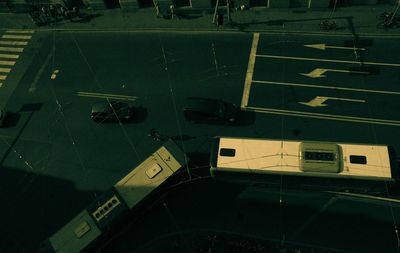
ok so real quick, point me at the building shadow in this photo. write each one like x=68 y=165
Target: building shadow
x=34 y=207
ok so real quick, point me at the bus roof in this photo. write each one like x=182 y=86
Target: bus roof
x=288 y=157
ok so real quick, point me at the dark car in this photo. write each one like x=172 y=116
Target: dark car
x=207 y=110
x=112 y=111
x=2 y=117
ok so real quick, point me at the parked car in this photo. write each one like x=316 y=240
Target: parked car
x=198 y=110
x=112 y=111
x=3 y=115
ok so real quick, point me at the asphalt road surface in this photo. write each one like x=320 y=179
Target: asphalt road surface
x=55 y=159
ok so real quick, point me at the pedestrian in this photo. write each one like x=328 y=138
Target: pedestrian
x=220 y=20
x=171 y=8
x=76 y=11
x=157 y=9
x=154 y=134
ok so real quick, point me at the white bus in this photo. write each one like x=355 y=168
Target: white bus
x=237 y=157
x=110 y=208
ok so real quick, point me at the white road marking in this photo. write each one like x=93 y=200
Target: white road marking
x=328 y=60
x=54 y=74
x=22 y=37
x=20 y=31
x=324 y=46
x=3 y=77
x=325 y=116
x=12 y=49
x=1 y=85
x=250 y=70
x=328 y=87
x=106 y=95
x=9 y=56
x=319 y=72
x=32 y=88
x=8 y=63
x=14 y=43
x=5 y=70
x=318 y=101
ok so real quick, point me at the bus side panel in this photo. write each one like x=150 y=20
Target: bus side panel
x=214 y=155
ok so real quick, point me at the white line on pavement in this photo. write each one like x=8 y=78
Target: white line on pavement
x=20 y=31
x=3 y=77
x=327 y=60
x=22 y=37
x=14 y=43
x=8 y=63
x=5 y=70
x=12 y=49
x=325 y=116
x=105 y=95
x=328 y=87
x=250 y=69
x=9 y=56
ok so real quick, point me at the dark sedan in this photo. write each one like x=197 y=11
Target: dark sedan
x=112 y=111
x=206 y=110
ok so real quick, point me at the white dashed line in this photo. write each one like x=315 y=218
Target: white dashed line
x=12 y=49
x=327 y=60
x=7 y=63
x=14 y=43
x=2 y=77
x=22 y=37
x=250 y=69
x=5 y=70
x=20 y=31
x=9 y=56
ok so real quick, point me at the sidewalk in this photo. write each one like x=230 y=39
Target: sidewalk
x=359 y=20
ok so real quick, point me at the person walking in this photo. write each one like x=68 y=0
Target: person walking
x=220 y=20
x=154 y=134
x=157 y=9
x=171 y=8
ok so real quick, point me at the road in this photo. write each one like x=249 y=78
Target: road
x=56 y=159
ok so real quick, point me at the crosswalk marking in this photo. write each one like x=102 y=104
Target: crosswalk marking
x=12 y=49
x=9 y=56
x=14 y=43
x=20 y=31
x=5 y=41
x=24 y=37
x=8 y=63
x=5 y=70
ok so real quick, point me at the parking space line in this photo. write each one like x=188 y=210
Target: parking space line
x=20 y=31
x=9 y=56
x=328 y=87
x=23 y=37
x=327 y=60
x=5 y=70
x=8 y=63
x=325 y=116
x=250 y=70
x=12 y=49
x=14 y=43
x=106 y=95
x=3 y=77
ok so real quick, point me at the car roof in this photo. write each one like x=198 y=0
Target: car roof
x=202 y=104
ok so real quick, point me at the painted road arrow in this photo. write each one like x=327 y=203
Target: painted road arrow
x=317 y=73
x=324 y=47
x=318 y=101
